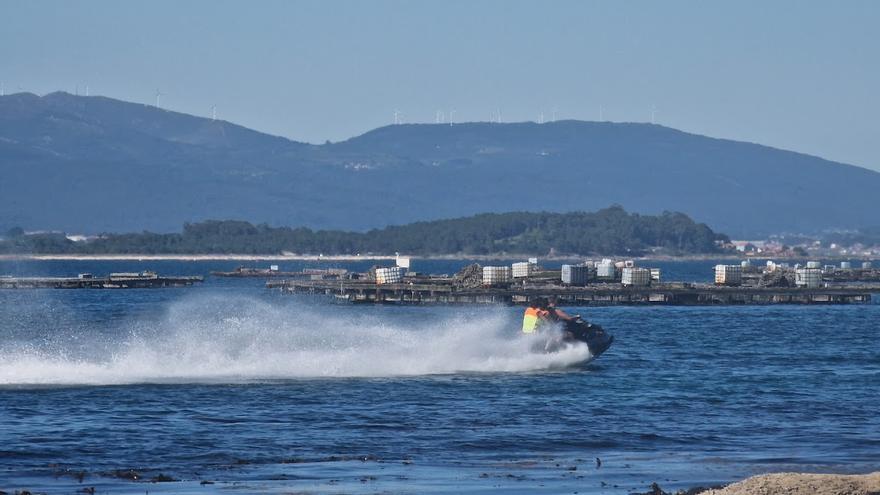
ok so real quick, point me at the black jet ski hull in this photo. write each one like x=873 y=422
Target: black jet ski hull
x=596 y=338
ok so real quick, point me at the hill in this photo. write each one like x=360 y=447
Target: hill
x=611 y=231
x=93 y=164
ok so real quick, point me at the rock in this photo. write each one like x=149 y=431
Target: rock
x=803 y=484
x=654 y=490
x=126 y=474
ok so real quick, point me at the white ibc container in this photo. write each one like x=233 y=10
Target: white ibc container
x=655 y=275
x=635 y=276
x=606 y=269
x=808 y=277
x=522 y=269
x=845 y=265
x=576 y=274
x=728 y=274
x=391 y=275
x=813 y=264
x=493 y=275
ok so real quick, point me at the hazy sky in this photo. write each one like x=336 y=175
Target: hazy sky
x=792 y=74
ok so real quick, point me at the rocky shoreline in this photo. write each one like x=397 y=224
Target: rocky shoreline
x=789 y=484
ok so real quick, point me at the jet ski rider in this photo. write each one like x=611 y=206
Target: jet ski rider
x=558 y=314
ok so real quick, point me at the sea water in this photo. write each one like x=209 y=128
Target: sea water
x=230 y=387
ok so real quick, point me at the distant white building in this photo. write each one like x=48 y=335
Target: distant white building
x=749 y=246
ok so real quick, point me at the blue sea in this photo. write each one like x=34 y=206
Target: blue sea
x=228 y=387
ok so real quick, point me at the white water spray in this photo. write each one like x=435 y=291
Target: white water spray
x=221 y=339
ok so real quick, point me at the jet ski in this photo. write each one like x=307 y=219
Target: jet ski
x=579 y=330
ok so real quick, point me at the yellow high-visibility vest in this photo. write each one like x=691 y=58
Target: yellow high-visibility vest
x=532 y=319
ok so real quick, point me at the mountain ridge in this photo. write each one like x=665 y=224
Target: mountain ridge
x=160 y=168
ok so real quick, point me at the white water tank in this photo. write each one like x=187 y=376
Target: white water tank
x=493 y=275
x=578 y=275
x=808 y=277
x=633 y=276
x=390 y=275
x=845 y=265
x=655 y=275
x=606 y=270
x=522 y=269
x=728 y=275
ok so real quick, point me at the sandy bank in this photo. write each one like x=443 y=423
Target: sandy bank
x=804 y=484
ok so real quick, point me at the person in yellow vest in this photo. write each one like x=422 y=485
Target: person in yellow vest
x=535 y=316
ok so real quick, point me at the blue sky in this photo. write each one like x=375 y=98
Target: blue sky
x=792 y=74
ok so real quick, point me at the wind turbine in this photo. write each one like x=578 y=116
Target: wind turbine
x=555 y=109
x=451 y=114
x=541 y=118
x=396 y=117
x=653 y=114
x=1 y=89
x=601 y=114
x=87 y=90
x=158 y=94
x=213 y=112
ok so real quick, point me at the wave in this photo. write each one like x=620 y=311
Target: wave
x=224 y=339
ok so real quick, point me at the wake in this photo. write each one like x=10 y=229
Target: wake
x=225 y=340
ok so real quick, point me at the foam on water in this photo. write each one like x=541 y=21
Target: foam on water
x=222 y=339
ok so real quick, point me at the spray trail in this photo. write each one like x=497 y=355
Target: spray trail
x=222 y=339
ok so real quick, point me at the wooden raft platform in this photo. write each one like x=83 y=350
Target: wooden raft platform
x=594 y=295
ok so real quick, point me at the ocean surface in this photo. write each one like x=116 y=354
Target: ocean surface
x=229 y=387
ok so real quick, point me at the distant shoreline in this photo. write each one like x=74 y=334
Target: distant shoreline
x=379 y=257
x=187 y=257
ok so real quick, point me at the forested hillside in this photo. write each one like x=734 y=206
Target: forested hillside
x=608 y=231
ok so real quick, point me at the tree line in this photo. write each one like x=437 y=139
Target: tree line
x=610 y=231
